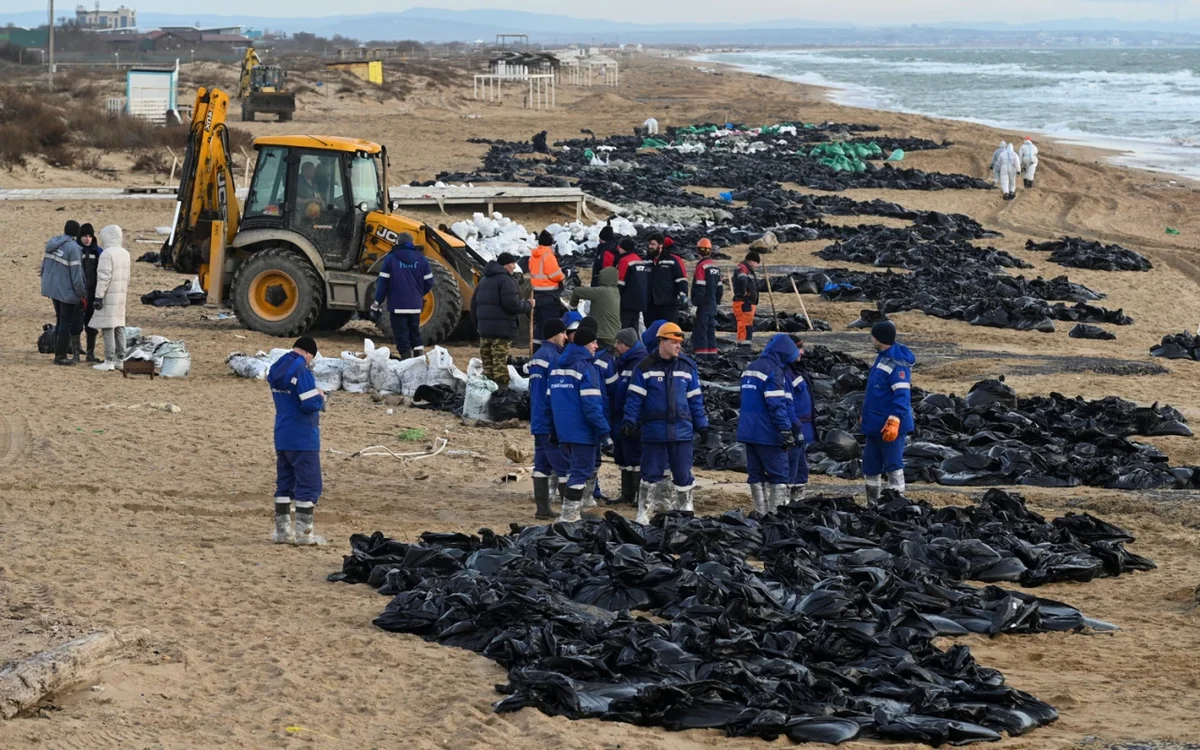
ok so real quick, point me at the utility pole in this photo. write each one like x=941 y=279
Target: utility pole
x=51 y=68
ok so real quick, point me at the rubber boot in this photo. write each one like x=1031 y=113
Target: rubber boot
x=758 y=496
x=683 y=500
x=635 y=483
x=283 y=521
x=798 y=491
x=874 y=485
x=304 y=526
x=541 y=498
x=624 y=496
x=572 y=503
x=76 y=348
x=562 y=491
x=91 y=346
x=778 y=497
x=62 y=346
x=597 y=493
x=645 y=503
x=895 y=480
x=589 y=499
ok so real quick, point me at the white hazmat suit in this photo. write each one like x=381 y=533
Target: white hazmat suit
x=1010 y=166
x=1029 y=161
x=996 y=161
x=650 y=126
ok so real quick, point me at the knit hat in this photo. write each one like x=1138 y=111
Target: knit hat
x=754 y=256
x=71 y=228
x=306 y=343
x=590 y=322
x=606 y=233
x=552 y=327
x=87 y=230
x=546 y=239
x=505 y=258
x=884 y=332
x=627 y=244
x=628 y=337
x=584 y=336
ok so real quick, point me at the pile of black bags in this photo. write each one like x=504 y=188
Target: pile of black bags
x=1178 y=346
x=832 y=638
x=1080 y=253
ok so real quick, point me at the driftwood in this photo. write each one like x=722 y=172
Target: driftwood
x=30 y=681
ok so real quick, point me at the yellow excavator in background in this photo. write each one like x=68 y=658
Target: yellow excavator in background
x=304 y=251
x=263 y=89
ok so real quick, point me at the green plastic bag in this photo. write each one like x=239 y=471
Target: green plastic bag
x=653 y=143
x=589 y=154
x=1173 y=230
x=897 y=155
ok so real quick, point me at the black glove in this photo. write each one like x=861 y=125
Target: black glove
x=629 y=431
x=606 y=442
x=98 y=303
x=788 y=439
x=703 y=433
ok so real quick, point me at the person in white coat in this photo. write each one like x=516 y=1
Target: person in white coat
x=996 y=161
x=1029 y=161
x=1010 y=167
x=112 y=286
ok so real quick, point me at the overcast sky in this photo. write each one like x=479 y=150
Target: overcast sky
x=865 y=12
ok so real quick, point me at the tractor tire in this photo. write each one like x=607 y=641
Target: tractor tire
x=443 y=308
x=332 y=320
x=277 y=291
x=247 y=114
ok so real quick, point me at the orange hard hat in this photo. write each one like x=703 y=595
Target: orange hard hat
x=670 y=331
x=704 y=242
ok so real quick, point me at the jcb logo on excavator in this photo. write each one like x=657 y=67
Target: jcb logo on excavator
x=387 y=235
x=222 y=195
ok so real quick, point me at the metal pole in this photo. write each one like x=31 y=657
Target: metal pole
x=51 y=68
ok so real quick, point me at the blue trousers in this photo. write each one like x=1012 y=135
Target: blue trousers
x=704 y=331
x=548 y=459
x=298 y=475
x=581 y=459
x=406 y=330
x=675 y=455
x=627 y=453
x=766 y=463
x=797 y=465
x=881 y=457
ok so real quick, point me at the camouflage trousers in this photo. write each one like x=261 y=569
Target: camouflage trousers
x=494 y=353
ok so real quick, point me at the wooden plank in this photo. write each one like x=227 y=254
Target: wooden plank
x=27 y=683
x=216 y=263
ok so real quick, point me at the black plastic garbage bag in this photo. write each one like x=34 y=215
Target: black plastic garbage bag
x=509 y=404
x=1085 y=331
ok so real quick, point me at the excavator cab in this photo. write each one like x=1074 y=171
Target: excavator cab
x=267 y=78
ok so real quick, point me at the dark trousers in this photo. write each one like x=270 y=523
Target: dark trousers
x=676 y=456
x=406 y=330
x=547 y=307
x=627 y=454
x=797 y=465
x=68 y=323
x=548 y=459
x=582 y=459
x=669 y=313
x=704 y=331
x=298 y=475
x=766 y=463
x=629 y=319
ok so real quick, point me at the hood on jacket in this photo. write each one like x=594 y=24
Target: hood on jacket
x=782 y=349
x=608 y=276
x=111 y=236
x=56 y=243
x=540 y=250
x=403 y=246
x=277 y=375
x=573 y=353
x=650 y=337
x=637 y=353
x=900 y=353
x=495 y=269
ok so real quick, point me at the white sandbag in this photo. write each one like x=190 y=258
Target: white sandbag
x=442 y=370
x=384 y=378
x=175 y=361
x=412 y=372
x=245 y=366
x=516 y=381
x=327 y=371
x=356 y=372
x=479 y=393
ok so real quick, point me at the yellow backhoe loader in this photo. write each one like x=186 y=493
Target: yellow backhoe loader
x=263 y=89
x=305 y=250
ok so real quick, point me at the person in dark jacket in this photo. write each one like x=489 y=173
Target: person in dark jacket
x=495 y=309
x=64 y=283
x=548 y=460
x=606 y=253
x=707 y=292
x=404 y=279
x=668 y=281
x=606 y=367
x=627 y=452
x=745 y=297
x=887 y=411
x=576 y=404
x=633 y=279
x=90 y=257
x=803 y=408
x=765 y=423
x=664 y=405
x=298 y=406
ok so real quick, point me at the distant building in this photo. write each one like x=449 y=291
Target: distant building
x=178 y=38
x=97 y=20
x=24 y=37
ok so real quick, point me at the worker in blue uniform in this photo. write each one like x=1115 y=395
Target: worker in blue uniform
x=803 y=409
x=765 y=423
x=887 y=416
x=576 y=403
x=548 y=461
x=627 y=452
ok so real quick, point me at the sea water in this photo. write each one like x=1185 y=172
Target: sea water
x=1142 y=102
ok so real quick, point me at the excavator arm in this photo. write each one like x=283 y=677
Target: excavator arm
x=206 y=189
x=249 y=62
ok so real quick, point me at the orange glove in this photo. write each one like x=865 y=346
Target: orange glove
x=891 y=429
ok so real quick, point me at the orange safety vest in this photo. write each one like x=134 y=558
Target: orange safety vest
x=544 y=272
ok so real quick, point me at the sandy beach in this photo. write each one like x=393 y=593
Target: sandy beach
x=117 y=515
